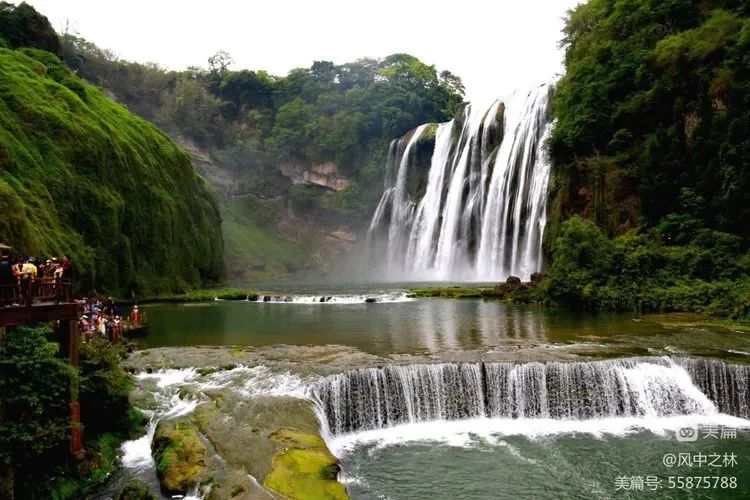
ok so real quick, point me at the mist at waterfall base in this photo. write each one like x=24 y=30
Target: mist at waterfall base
x=478 y=213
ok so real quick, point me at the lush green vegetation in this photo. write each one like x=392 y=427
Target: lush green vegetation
x=641 y=270
x=252 y=123
x=35 y=389
x=80 y=175
x=252 y=120
x=652 y=143
x=654 y=108
x=23 y=26
x=251 y=251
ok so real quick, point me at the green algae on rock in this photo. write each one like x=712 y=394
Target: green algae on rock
x=180 y=456
x=305 y=469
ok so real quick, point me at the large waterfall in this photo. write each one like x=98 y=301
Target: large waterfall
x=477 y=212
x=633 y=387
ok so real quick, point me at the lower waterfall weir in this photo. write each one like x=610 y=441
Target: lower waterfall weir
x=376 y=398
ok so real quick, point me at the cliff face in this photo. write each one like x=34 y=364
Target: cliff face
x=266 y=235
x=81 y=175
x=598 y=189
x=324 y=174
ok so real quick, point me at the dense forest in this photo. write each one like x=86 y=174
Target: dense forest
x=251 y=120
x=35 y=384
x=652 y=144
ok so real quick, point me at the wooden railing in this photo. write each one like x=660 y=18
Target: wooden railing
x=40 y=290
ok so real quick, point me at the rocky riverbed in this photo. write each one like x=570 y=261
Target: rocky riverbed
x=242 y=421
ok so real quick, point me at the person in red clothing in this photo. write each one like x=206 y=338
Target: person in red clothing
x=117 y=330
x=135 y=317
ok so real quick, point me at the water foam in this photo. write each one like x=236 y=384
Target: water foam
x=169 y=376
x=373 y=298
x=136 y=454
x=477 y=432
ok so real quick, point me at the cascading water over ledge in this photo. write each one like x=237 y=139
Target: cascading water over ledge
x=634 y=387
x=479 y=212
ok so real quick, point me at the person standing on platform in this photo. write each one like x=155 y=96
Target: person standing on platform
x=135 y=317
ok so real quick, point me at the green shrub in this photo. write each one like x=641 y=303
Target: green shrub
x=35 y=390
x=640 y=271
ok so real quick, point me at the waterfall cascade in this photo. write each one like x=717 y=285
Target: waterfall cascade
x=633 y=387
x=479 y=212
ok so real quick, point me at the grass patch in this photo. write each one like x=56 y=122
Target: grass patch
x=203 y=295
x=80 y=480
x=682 y=321
x=454 y=292
x=252 y=253
x=514 y=292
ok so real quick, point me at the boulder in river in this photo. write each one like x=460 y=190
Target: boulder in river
x=537 y=278
x=513 y=281
x=305 y=468
x=180 y=456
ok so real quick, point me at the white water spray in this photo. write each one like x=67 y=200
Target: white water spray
x=482 y=214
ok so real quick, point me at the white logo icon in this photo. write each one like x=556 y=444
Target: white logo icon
x=687 y=434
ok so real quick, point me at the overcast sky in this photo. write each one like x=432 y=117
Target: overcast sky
x=495 y=46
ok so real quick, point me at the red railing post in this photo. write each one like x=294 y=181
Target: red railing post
x=71 y=335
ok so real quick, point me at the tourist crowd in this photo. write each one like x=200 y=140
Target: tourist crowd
x=27 y=278
x=21 y=277
x=104 y=319
x=21 y=268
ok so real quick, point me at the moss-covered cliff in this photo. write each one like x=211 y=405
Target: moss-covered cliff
x=81 y=175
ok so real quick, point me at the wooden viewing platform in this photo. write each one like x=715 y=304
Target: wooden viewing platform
x=47 y=300
x=37 y=301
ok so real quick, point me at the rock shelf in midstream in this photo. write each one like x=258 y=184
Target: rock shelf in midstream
x=246 y=435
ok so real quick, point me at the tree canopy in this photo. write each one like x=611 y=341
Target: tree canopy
x=23 y=26
x=652 y=144
x=661 y=89
x=325 y=112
